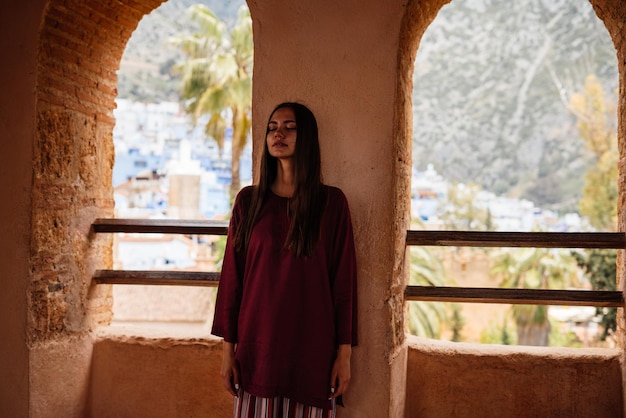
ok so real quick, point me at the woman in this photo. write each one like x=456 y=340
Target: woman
x=286 y=304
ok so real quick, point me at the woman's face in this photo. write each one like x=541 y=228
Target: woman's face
x=281 y=133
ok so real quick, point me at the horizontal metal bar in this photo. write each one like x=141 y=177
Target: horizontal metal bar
x=163 y=278
x=516 y=296
x=163 y=226
x=616 y=240
x=423 y=293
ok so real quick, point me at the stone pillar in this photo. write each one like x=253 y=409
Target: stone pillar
x=613 y=14
x=326 y=55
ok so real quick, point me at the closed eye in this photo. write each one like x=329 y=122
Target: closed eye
x=290 y=127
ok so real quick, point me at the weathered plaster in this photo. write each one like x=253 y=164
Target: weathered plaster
x=473 y=380
x=19 y=25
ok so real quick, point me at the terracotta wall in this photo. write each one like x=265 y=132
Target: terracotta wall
x=472 y=380
x=18 y=46
x=174 y=378
x=143 y=377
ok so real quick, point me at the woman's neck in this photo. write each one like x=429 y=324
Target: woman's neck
x=285 y=183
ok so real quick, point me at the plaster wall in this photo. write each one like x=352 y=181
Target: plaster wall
x=340 y=59
x=470 y=380
x=157 y=377
x=19 y=35
x=164 y=377
x=60 y=378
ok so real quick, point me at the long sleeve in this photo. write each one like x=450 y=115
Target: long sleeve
x=343 y=272
x=230 y=290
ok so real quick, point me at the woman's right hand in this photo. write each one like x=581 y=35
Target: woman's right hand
x=230 y=371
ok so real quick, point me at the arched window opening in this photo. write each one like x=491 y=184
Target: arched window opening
x=176 y=152
x=514 y=112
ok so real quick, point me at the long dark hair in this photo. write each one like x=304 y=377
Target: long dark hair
x=309 y=197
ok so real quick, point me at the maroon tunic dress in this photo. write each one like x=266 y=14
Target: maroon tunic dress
x=286 y=314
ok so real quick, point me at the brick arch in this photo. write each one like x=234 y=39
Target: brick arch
x=613 y=14
x=81 y=45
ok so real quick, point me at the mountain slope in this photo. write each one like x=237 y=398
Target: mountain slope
x=145 y=71
x=491 y=83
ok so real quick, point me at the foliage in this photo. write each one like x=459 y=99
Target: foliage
x=561 y=338
x=600 y=265
x=217 y=79
x=219 y=248
x=145 y=73
x=596 y=117
x=597 y=128
x=533 y=268
x=425 y=318
x=456 y=322
x=506 y=334
x=498 y=334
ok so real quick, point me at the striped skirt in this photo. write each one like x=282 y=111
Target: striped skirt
x=249 y=406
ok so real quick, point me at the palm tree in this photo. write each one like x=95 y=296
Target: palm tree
x=534 y=268
x=217 y=79
x=426 y=270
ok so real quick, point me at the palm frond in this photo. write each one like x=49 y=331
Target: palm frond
x=216 y=128
x=212 y=28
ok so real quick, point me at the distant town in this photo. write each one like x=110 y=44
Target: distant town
x=157 y=141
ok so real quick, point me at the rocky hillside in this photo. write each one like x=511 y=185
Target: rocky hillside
x=145 y=71
x=491 y=84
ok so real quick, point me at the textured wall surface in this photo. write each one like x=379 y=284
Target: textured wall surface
x=19 y=28
x=469 y=380
x=141 y=377
x=340 y=59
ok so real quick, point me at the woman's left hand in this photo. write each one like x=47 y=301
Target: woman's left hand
x=340 y=376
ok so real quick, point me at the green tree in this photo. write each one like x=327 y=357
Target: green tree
x=596 y=122
x=425 y=318
x=600 y=266
x=217 y=79
x=533 y=268
x=597 y=128
x=457 y=322
x=497 y=334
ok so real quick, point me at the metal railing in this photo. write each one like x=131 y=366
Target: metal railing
x=426 y=238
